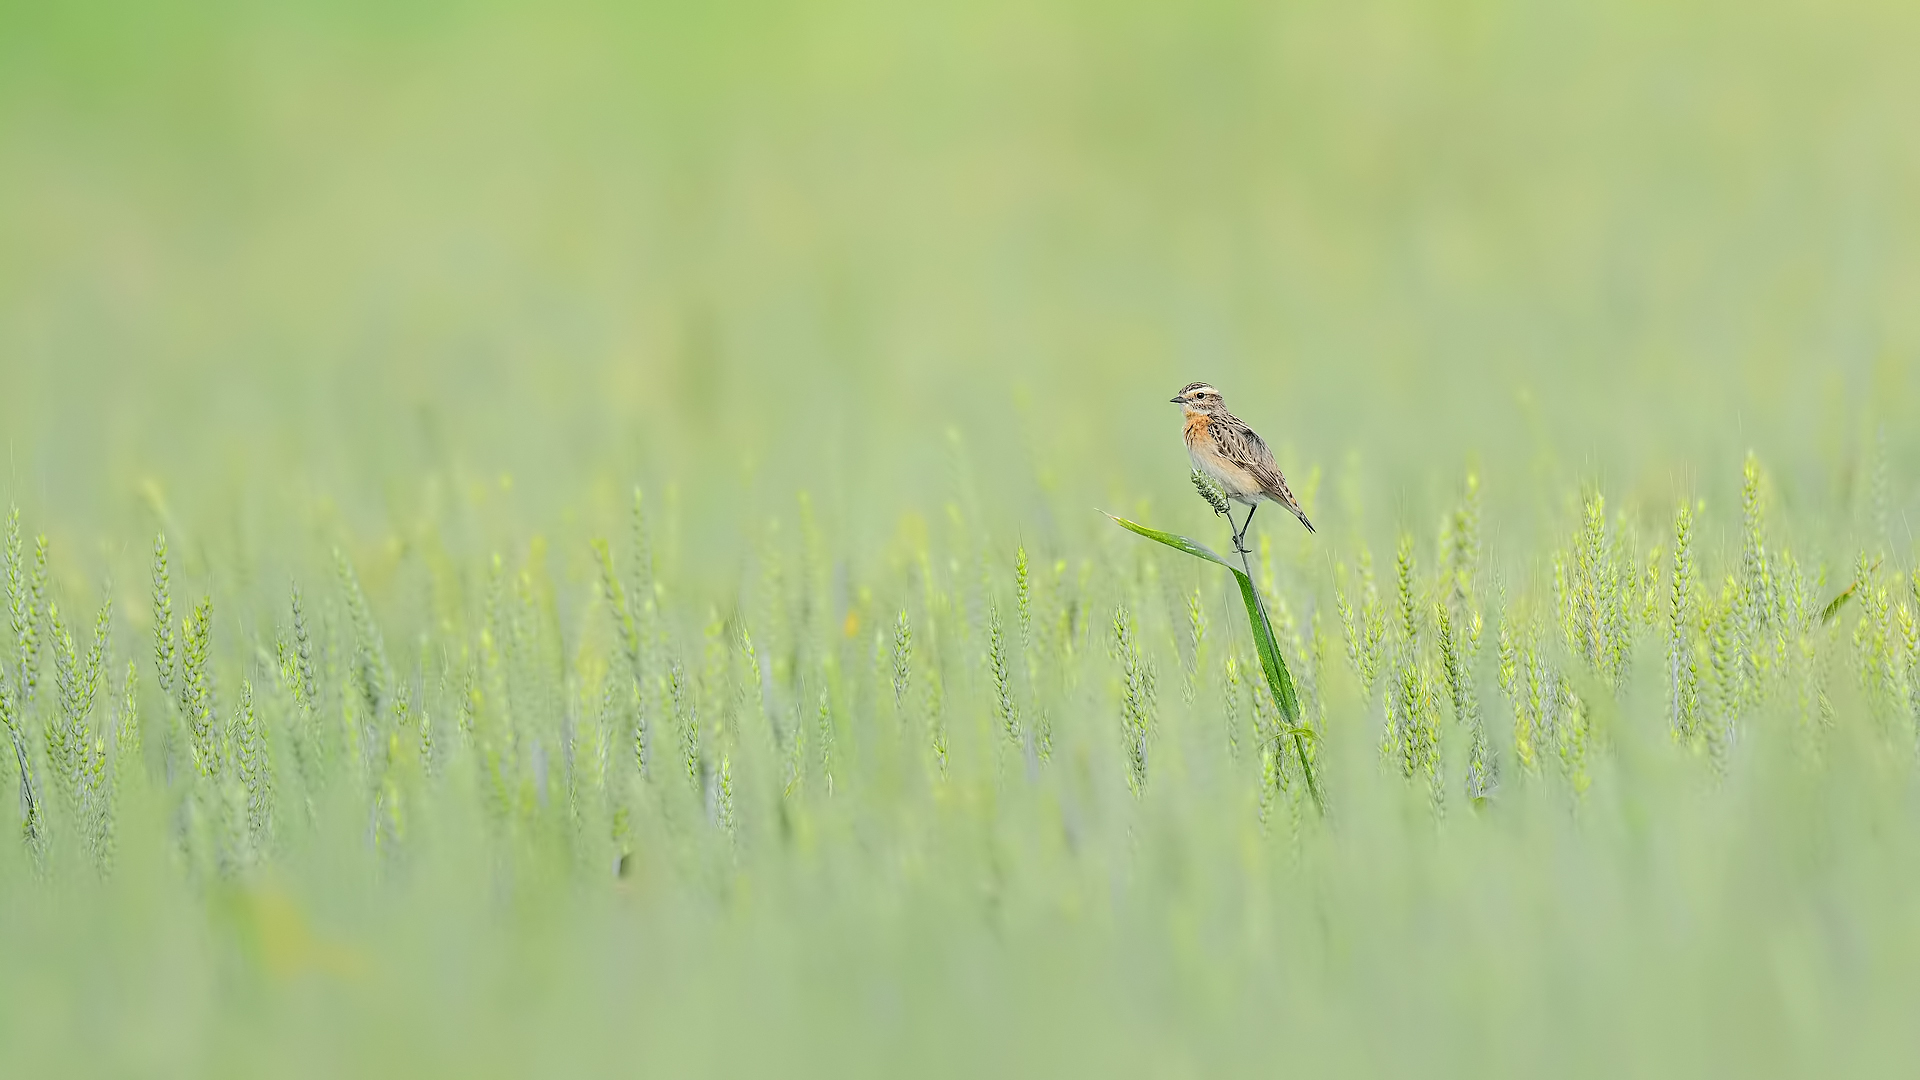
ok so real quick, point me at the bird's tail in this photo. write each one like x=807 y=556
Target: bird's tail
x=1287 y=498
x=1280 y=494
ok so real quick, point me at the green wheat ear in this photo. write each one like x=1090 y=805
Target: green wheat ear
x=1210 y=490
x=1002 y=676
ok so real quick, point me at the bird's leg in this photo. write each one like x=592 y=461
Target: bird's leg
x=1239 y=534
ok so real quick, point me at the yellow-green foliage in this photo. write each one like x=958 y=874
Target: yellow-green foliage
x=587 y=513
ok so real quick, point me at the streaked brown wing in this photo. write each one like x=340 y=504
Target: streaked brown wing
x=1243 y=446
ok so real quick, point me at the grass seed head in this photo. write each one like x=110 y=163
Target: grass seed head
x=1211 y=491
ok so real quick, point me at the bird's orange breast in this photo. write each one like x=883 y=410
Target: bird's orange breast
x=1197 y=428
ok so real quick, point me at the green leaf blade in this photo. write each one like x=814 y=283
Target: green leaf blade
x=1279 y=680
x=1272 y=666
x=1172 y=540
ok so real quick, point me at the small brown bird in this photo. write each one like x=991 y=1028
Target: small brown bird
x=1225 y=448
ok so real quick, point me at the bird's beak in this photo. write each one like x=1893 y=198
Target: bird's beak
x=1178 y=400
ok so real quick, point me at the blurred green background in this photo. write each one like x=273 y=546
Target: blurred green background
x=750 y=247
x=276 y=277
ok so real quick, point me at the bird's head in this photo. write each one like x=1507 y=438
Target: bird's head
x=1200 y=397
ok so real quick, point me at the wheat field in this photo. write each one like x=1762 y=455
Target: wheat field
x=569 y=540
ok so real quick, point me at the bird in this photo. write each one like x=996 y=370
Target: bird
x=1233 y=454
